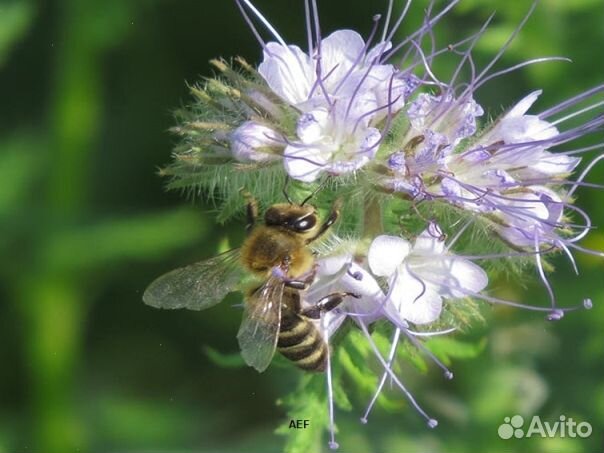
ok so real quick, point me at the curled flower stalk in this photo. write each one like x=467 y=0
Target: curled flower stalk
x=434 y=198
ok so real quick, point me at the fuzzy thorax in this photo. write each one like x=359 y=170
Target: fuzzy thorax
x=268 y=247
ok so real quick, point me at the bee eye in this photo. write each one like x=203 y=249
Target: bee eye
x=305 y=223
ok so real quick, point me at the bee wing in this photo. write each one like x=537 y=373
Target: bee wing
x=197 y=286
x=259 y=329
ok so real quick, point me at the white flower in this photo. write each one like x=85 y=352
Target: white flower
x=343 y=69
x=532 y=160
x=517 y=127
x=531 y=217
x=342 y=91
x=438 y=125
x=452 y=119
x=340 y=273
x=421 y=275
x=253 y=142
x=330 y=142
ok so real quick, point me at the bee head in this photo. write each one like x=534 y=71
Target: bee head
x=297 y=218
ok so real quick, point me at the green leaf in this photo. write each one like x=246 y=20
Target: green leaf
x=19 y=164
x=112 y=241
x=410 y=353
x=233 y=360
x=356 y=358
x=446 y=348
x=15 y=20
x=307 y=403
x=340 y=397
x=132 y=424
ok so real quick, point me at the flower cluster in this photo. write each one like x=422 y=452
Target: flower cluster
x=420 y=169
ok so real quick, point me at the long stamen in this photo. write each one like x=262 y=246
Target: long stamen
x=356 y=91
x=265 y=22
x=518 y=66
x=544 y=279
x=427 y=65
x=420 y=280
x=388 y=108
x=315 y=13
x=332 y=426
x=431 y=334
x=468 y=52
x=418 y=344
x=412 y=36
x=398 y=22
x=509 y=303
x=250 y=24
x=570 y=256
x=429 y=30
x=459 y=233
x=450 y=47
x=308 y=23
x=432 y=423
x=584 y=149
x=505 y=46
x=376 y=394
x=578 y=112
x=584 y=173
x=586 y=250
x=494 y=256
x=572 y=101
x=387 y=21
x=360 y=56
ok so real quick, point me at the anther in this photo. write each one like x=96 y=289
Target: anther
x=555 y=315
x=356 y=275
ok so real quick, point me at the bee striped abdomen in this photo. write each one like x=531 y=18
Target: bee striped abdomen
x=301 y=342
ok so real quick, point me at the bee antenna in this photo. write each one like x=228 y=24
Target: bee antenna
x=289 y=200
x=321 y=186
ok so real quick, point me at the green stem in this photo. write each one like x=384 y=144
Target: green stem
x=53 y=311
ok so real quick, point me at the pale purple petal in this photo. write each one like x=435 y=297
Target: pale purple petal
x=358 y=281
x=288 y=71
x=412 y=299
x=386 y=253
x=457 y=277
x=430 y=242
x=304 y=163
x=525 y=129
x=555 y=164
x=311 y=126
x=341 y=48
x=331 y=265
x=252 y=142
x=524 y=105
x=375 y=53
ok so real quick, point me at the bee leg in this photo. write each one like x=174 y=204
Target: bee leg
x=251 y=210
x=300 y=284
x=326 y=304
x=331 y=219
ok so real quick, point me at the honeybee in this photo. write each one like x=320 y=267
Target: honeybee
x=277 y=253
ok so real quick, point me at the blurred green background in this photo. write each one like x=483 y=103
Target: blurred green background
x=87 y=90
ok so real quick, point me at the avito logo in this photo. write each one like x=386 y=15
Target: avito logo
x=564 y=427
